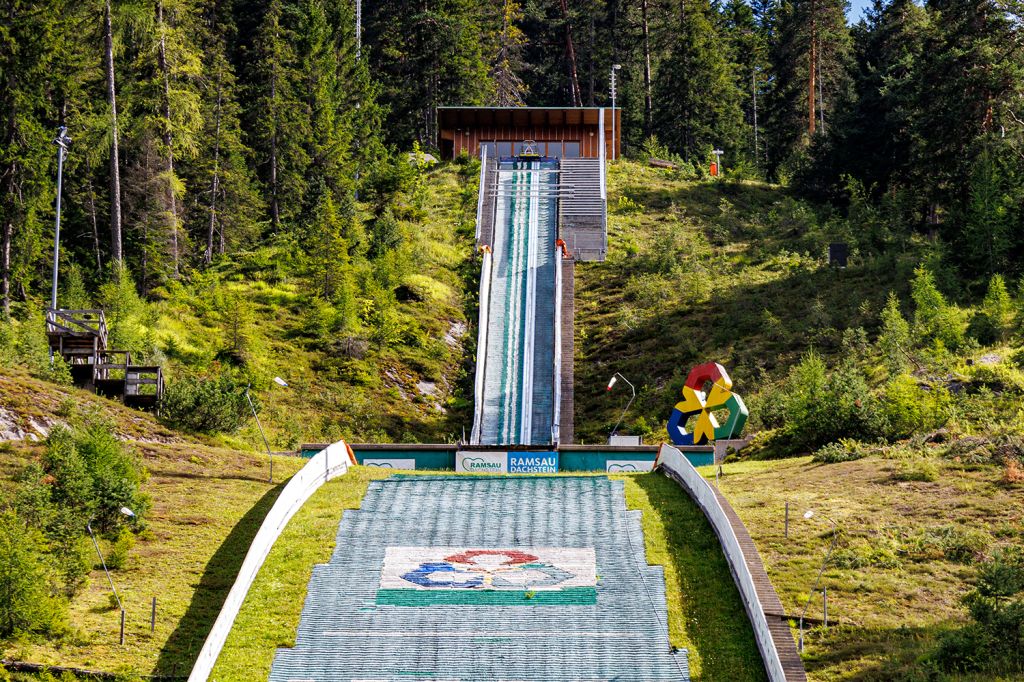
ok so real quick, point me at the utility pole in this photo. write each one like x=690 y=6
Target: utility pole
x=615 y=67
x=62 y=141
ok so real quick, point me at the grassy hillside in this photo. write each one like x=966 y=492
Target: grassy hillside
x=906 y=554
x=697 y=271
x=207 y=503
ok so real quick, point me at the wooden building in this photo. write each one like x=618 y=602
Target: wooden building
x=560 y=132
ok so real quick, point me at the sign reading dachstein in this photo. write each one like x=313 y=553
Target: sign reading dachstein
x=518 y=462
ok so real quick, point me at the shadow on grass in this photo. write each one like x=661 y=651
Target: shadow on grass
x=182 y=647
x=712 y=611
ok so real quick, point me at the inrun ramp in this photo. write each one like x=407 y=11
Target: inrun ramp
x=496 y=578
x=518 y=352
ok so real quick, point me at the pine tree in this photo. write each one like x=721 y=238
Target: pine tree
x=697 y=103
x=507 y=42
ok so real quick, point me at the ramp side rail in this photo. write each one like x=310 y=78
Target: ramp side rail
x=330 y=463
x=557 y=370
x=481 y=344
x=679 y=469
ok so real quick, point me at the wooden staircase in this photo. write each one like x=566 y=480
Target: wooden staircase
x=80 y=337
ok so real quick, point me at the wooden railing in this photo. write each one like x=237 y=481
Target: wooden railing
x=77 y=323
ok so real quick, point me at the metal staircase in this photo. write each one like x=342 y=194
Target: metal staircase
x=583 y=212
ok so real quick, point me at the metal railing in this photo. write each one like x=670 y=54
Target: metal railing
x=480 y=194
x=557 y=375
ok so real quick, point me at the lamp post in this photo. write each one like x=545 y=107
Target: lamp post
x=835 y=530
x=611 y=383
x=270 y=455
x=88 y=525
x=615 y=67
x=62 y=141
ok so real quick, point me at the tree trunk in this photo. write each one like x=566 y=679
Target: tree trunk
x=116 y=250
x=812 y=67
x=275 y=211
x=92 y=216
x=570 y=55
x=215 y=184
x=648 y=102
x=168 y=138
x=5 y=265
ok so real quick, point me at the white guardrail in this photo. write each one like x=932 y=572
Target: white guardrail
x=704 y=495
x=324 y=466
x=556 y=395
x=481 y=343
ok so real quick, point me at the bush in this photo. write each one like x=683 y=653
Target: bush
x=26 y=604
x=934 y=318
x=206 y=405
x=992 y=643
x=920 y=469
x=820 y=407
x=841 y=451
x=894 y=340
x=117 y=557
x=949 y=542
x=908 y=408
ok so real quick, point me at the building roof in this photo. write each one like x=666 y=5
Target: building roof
x=468 y=117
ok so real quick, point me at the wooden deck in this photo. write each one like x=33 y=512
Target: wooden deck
x=80 y=337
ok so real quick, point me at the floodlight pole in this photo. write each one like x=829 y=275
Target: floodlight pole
x=270 y=455
x=718 y=161
x=632 y=388
x=62 y=141
x=120 y=606
x=615 y=67
x=835 y=532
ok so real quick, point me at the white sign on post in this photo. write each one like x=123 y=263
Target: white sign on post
x=481 y=462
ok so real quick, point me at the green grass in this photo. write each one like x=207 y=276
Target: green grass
x=705 y=612
x=906 y=552
x=207 y=503
x=726 y=271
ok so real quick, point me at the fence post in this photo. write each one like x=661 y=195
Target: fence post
x=152 y=617
x=786 y=532
x=122 y=626
x=824 y=604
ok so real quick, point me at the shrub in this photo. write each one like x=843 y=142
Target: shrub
x=953 y=543
x=821 y=407
x=917 y=469
x=934 y=318
x=894 y=340
x=997 y=377
x=908 y=408
x=26 y=604
x=841 y=451
x=205 y=404
x=992 y=642
x=117 y=557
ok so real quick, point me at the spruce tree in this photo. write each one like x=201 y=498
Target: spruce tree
x=697 y=101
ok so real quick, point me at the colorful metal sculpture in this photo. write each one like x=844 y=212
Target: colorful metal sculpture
x=697 y=403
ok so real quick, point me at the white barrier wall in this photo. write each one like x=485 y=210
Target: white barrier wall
x=704 y=495
x=329 y=463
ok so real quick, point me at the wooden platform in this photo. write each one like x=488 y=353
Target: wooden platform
x=80 y=338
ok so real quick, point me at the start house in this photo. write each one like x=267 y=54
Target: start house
x=558 y=132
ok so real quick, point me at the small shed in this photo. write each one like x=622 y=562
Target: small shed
x=560 y=132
